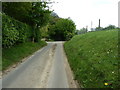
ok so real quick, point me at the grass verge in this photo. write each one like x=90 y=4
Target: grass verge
x=93 y=57
x=14 y=54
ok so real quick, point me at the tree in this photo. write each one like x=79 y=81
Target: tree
x=98 y=28
x=110 y=27
x=40 y=17
x=76 y=32
x=63 y=29
x=82 y=31
x=44 y=32
x=18 y=10
x=53 y=18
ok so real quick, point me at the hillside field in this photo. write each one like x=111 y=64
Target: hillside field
x=93 y=57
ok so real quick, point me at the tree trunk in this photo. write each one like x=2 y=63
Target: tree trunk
x=33 y=39
x=34 y=34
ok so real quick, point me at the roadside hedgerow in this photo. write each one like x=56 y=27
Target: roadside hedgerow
x=14 y=31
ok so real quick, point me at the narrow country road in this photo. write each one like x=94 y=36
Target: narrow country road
x=58 y=76
x=46 y=68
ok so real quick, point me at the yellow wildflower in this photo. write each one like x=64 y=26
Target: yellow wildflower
x=106 y=84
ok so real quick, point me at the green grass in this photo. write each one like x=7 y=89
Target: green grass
x=93 y=57
x=15 y=54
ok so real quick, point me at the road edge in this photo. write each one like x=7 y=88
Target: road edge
x=70 y=76
x=15 y=65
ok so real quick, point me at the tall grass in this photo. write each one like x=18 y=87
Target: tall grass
x=93 y=58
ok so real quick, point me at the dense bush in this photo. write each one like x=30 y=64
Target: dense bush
x=14 y=31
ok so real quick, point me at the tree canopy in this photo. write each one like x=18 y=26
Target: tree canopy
x=18 y=10
x=28 y=12
x=63 y=29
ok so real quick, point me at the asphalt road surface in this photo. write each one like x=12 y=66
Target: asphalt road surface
x=58 y=77
x=44 y=69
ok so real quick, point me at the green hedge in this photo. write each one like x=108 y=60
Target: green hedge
x=14 y=31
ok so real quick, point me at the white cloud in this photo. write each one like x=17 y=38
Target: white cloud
x=82 y=12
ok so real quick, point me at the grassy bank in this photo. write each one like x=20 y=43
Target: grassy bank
x=93 y=57
x=18 y=52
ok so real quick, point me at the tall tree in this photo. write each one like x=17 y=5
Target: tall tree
x=40 y=16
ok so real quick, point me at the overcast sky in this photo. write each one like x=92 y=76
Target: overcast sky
x=82 y=12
